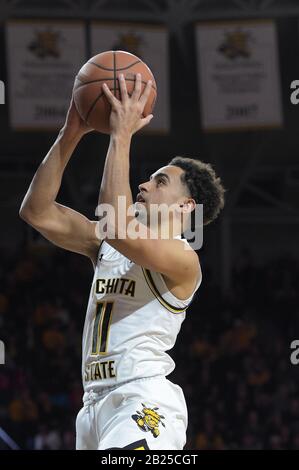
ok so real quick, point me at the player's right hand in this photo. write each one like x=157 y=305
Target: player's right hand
x=127 y=113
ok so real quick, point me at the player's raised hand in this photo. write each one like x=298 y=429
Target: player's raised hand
x=127 y=114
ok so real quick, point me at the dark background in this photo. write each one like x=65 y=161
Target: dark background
x=233 y=353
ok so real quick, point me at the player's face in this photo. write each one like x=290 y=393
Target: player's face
x=163 y=187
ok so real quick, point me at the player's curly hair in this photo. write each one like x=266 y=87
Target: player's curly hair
x=204 y=186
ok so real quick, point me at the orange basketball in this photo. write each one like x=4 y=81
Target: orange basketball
x=89 y=98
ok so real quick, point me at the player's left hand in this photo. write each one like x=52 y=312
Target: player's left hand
x=74 y=124
x=126 y=114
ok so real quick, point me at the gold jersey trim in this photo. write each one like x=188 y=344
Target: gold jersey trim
x=150 y=282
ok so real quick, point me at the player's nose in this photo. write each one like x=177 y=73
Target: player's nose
x=143 y=187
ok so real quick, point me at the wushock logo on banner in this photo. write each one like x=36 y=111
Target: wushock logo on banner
x=2 y=92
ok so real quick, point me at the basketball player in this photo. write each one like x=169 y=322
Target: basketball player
x=141 y=287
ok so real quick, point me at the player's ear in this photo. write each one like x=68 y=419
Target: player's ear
x=188 y=205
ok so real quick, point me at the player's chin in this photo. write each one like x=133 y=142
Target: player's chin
x=140 y=206
x=141 y=212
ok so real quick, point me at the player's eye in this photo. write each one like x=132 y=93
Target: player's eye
x=160 y=181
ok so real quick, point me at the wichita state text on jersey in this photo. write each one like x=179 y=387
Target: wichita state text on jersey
x=131 y=321
x=115 y=286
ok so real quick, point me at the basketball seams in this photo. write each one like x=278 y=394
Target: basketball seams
x=109 y=69
x=106 y=80
x=93 y=105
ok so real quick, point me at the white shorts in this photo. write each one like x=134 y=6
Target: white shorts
x=147 y=413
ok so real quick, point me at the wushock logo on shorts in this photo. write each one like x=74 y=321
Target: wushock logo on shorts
x=149 y=420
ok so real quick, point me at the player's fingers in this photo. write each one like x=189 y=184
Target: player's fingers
x=110 y=97
x=145 y=121
x=123 y=87
x=137 y=88
x=146 y=93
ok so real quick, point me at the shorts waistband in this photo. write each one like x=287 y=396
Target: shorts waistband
x=94 y=395
x=91 y=396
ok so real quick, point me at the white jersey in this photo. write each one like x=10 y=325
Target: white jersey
x=132 y=319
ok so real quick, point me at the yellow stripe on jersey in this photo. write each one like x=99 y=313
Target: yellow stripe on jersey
x=153 y=288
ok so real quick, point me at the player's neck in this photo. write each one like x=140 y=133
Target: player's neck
x=167 y=231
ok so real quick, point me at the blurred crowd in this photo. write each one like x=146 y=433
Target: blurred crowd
x=232 y=355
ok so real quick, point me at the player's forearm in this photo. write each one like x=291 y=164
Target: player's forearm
x=116 y=176
x=46 y=182
x=116 y=182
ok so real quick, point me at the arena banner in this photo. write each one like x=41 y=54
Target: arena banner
x=43 y=58
x=149 y=43
x=239 y=77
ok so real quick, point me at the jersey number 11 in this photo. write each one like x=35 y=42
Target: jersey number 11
x=101 y=328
